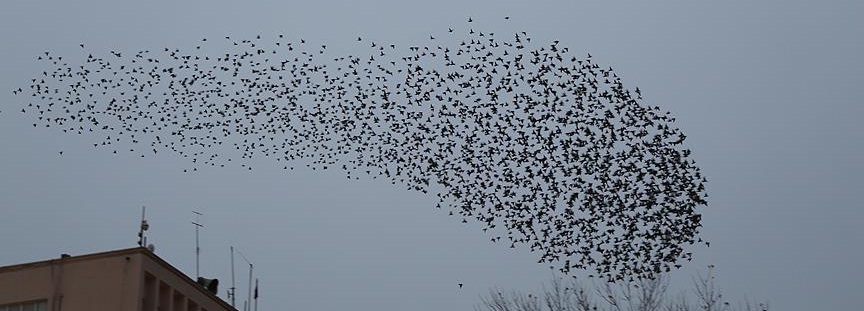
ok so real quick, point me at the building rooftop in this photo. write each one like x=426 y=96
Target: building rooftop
x=125 y=279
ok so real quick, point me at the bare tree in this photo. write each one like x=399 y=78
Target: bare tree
x=639 y=295
x=567 y=297
x=707 y=292
x=514 y=301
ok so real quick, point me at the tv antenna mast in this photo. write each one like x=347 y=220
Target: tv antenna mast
x=248 y=304
x=198 y=225
x=142 y=240
x=232 y=292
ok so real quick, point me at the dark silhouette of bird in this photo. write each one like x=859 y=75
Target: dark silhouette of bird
x=543 y=149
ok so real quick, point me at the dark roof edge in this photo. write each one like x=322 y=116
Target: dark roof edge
x=183 y=276
x=37 y=264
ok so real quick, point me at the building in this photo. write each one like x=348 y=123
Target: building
x=132 y=279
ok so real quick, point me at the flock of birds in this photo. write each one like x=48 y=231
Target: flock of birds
x=545 y=149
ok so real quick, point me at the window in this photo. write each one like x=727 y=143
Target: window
x=41 y=305
x=150 y=291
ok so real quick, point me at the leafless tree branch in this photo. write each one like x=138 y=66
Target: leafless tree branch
x=638 y=295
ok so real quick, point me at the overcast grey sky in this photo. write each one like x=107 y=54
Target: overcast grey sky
x=767 y=92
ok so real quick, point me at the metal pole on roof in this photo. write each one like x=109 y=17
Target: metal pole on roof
x=142 y=240
x=248 y=305
x=198 y=225
x=233 y=289
x=250 y=287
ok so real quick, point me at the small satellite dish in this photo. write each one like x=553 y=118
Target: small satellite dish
x=151 y=248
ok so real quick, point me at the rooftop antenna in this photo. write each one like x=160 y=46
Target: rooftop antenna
x=248 y=304
x=198 y=225
x=142 y=240
x=232 y=292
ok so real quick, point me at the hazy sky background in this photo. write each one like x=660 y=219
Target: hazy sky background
x=768 y=93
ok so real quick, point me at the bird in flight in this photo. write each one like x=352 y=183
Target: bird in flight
x=543 y=149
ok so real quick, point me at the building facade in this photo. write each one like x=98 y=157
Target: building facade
x=132 y=279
